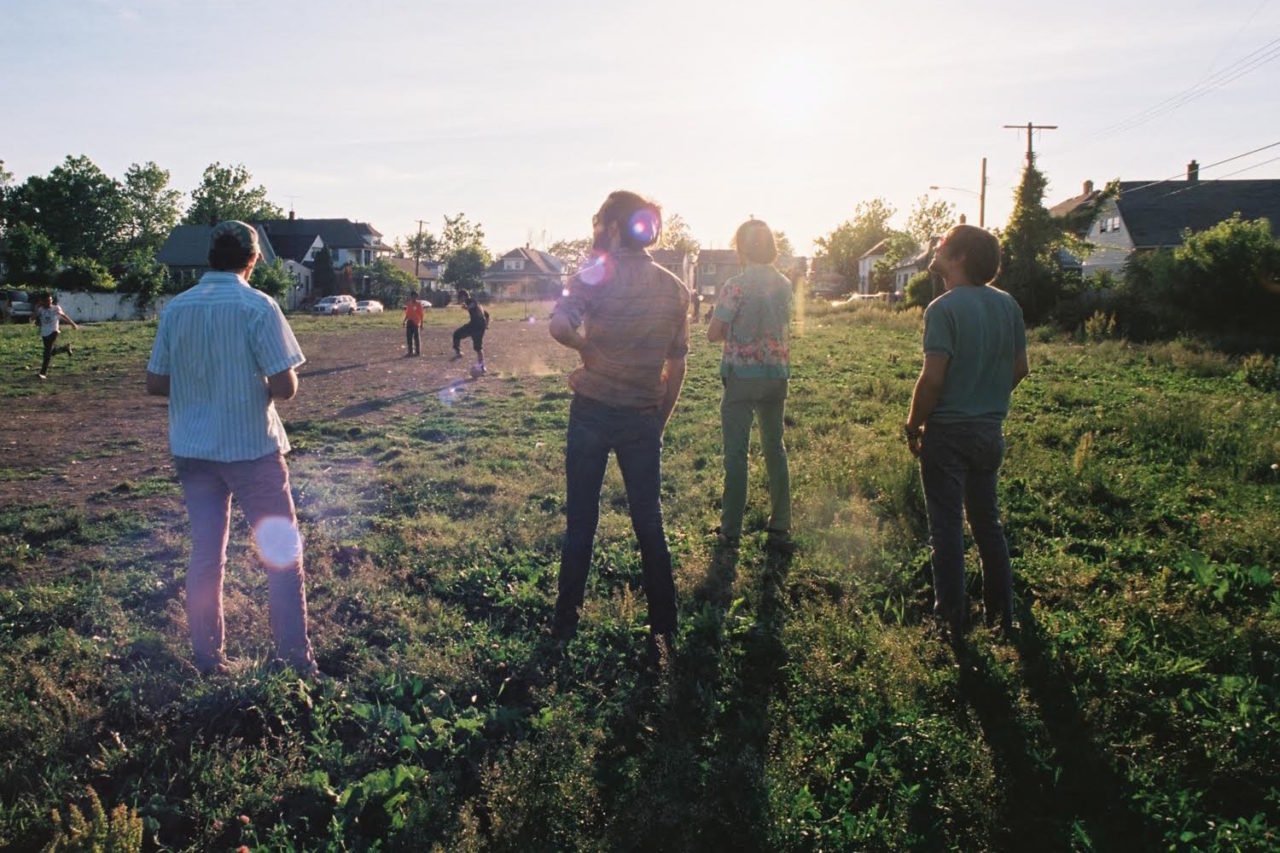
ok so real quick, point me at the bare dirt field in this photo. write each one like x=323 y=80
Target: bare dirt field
x=101 y=430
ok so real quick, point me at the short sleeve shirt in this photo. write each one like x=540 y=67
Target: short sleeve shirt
x=637 y=317
x=49 y=319
x=218 y=342
x=756 y=306
x=413 y=312
x=980 y=330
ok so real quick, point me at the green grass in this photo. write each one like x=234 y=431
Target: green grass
x=808 y=708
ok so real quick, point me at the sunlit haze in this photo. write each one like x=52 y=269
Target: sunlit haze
x=525 y=115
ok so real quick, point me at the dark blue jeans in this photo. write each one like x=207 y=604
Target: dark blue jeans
x=959 y=465
x=635 y=436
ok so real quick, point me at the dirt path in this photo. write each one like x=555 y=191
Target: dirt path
x=101 y=431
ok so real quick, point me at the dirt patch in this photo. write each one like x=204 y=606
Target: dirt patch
x=101 y=435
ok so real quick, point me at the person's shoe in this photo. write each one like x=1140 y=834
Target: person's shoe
x=42 y=376
x=725 y=542
x=456 y=355
x=70 y=350
x=217 y=665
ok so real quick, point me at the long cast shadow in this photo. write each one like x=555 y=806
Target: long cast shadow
x=1077 y=785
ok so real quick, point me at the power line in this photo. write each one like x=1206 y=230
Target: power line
x=1210 y=166
x=1246 y=64
x=1223 y=177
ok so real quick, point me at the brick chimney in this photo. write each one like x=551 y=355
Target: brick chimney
x=290 y=215
x=1193 y=171
x=1088 y=187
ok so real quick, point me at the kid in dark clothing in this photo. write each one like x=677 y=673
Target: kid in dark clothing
x=474 y=328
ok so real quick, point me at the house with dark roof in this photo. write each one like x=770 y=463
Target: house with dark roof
x=348 y=242
x=907 y=268
x=1146 y=216
x=867 y=263
x=298 y=252
x=525 y=273
x=675 y=261
x=713 y=269
x=186 y=252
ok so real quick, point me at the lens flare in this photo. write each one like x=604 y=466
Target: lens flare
x=450 y=393
x=278 y=542
x=645 y=225
x=598 y=268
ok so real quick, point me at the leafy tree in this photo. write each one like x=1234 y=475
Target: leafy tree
x=152 y=207
x=572 y=252
x=143 y=276
x=839 y=251
x=460 y=233
x=422 y=246
x=385 y=281
x=30 y=256
x=323 y=278
x=1027 y=269
x=272 y=279
x=785 y=250
x=676 y=235
x=6 y=178
x=930 y=218
x=84 y=274
x=77 y=207
x=919 y=291
x=224 y=193
x=464 y=268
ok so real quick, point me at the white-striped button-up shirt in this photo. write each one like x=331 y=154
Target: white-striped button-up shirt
x=217 y=343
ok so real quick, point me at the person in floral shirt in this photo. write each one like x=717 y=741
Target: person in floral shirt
x=752 y=317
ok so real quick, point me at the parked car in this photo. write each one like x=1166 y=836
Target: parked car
x=343 y=304
x=16 y=306
x=369 y=306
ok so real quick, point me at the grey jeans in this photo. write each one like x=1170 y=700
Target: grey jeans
x=743 y=401
x=261 y=487
x=959 y=466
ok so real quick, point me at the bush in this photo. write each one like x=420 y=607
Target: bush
x=82 y=274
x=919 y=290
x=1099 y=327
x=1262 y=372
x=144 y=277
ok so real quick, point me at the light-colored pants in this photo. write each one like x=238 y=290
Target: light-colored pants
x=261 y=487
x=744 y=399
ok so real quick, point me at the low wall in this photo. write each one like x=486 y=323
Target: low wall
x=99 y=307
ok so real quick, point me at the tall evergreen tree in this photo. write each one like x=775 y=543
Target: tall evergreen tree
x=1027 y=269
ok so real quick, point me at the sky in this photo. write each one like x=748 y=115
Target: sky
x=525 y=115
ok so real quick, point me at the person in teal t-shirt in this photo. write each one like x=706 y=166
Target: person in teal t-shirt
x=975 y=354
x=751 y=317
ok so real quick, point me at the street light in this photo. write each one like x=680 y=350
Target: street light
x=981 y=194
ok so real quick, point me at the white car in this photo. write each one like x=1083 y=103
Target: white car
x=343 y=304
x=369 y=306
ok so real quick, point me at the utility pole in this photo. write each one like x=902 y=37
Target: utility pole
x=1029 y=127
x=982 y=197
x=417 y=249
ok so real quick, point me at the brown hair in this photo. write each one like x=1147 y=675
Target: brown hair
x=227 y=254
x=754 y=242
x=639 y=220
x=980 y=249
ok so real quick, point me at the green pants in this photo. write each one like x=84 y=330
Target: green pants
x=743 y=399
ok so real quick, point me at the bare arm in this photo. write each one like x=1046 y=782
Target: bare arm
x=564 y=333
x=64 y=316
x=1020 y=368
x=925 y=397
x=717 y=330
x=157 y=384
x=673 y=371
x=283 y=385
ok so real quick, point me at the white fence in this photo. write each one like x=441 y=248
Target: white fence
x=97 y=307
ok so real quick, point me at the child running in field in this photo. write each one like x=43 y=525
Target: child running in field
x=474 y=328
x=48 y=316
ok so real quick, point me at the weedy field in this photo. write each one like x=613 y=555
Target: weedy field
x=809 y=706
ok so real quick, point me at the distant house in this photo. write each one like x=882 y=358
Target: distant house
x=186 y=252
x=678 y=263
x=907 y=268
x=348 y=242
x=713 y=269
x=1149 y=215
x=298 y=254
x=525 y=273
x=425 y=271
x=867 y=263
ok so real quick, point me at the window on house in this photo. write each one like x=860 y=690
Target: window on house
x=513 y=264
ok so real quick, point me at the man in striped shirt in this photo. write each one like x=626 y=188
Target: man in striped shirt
x=628 y=318
x=223 y=353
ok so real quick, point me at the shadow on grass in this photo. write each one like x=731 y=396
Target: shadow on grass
x=698 y=782
x=1073 y=795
